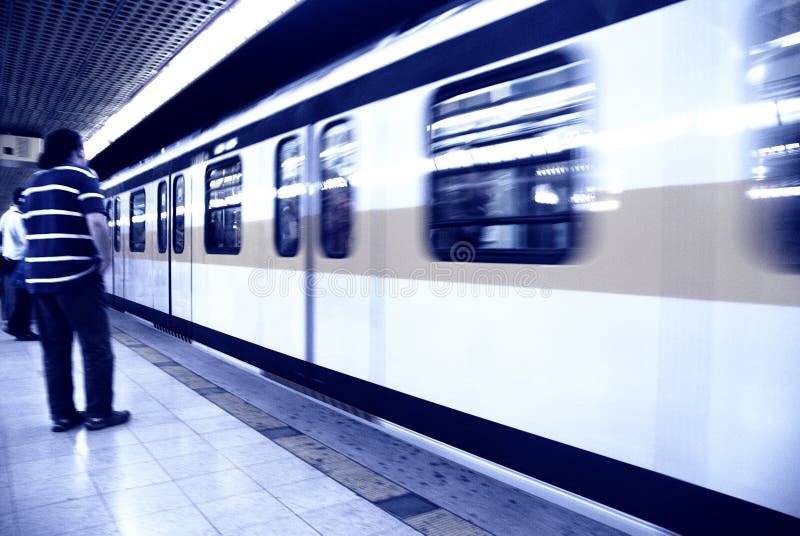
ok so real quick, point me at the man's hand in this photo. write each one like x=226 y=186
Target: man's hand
x=98 y=228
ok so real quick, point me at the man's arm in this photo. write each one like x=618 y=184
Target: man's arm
x=98 y=227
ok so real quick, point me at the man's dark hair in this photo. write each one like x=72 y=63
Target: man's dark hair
x=17 y=196
x=58 y=145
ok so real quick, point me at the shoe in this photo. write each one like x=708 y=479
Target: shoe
x=112 y=419
x=31 y=336
x=62 y=425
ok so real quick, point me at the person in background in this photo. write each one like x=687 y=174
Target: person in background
x=17 y=297
x=69 y=248
x=4 y=313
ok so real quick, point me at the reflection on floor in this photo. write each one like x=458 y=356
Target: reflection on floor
x=227 y=452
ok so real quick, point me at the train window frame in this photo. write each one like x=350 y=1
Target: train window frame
x=117 y=234
x=134 y=244
x=211 y=211
x=290 y=200
x=478 y=166
x=327 y=190
x=178 y=219
x=162 y=222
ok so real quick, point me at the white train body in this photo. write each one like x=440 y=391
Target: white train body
x=665 y=338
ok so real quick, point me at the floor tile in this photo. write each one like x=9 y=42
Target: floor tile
x=45 y=469
x=163 y=431
x=145 y=500
x=6 y=505
x=283 y=526
x=280 y=472
x=32 y=494
x=7 y=526
x=134 y=475
x=202 y=411
x=109 y=529
x=180 y=397
x=140 y=406
x=311 y=494
x=246 y=455
x=71 y=516
x=40 y=450
x=98 y=459
x=234 y=438
x=148 y=418
x=179 y=446
x=187 y=520
x=107 y=437
x=403 y=530
x=353 y=517
x=195 y=464
x=216 y=486
x=233 y=514
x=35 y=433
x=214 y=424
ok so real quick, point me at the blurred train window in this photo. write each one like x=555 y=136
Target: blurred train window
x=178 y=210
x=337 y=164
x=289 y=187
x=510 y=150
x=162 y=217
x=773 y=78
x=110 y=216
x=224 y=207
x=138 y=234
x=117 y=222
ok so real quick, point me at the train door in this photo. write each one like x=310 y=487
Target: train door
x=340 y=261
x=280 y=282
x=108 y=276
x=180 y=252
x=118 y=264
x=160 y=249
x=138 y=282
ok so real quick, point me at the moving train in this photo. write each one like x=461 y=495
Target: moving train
x=561 y=236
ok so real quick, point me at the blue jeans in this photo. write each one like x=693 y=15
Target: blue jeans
x=82 y=310
x=19 y=319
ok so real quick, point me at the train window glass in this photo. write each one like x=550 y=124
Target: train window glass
x=117 y=225
x=510 y=151
x=162 y=217
x=773 y=79
x=138 y=234
x=338 y=148
x=110 y=216
x=223 y=230
x=289 y=187
x=178 y=213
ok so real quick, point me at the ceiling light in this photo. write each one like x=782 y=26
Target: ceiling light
x=227 y=32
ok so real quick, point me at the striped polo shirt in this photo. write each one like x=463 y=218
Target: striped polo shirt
x=60 y=247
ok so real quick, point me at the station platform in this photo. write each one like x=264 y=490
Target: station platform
x=213 y=448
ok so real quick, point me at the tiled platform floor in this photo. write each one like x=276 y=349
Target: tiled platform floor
x=185 y=465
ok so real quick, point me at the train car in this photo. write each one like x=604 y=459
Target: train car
x=563 y=237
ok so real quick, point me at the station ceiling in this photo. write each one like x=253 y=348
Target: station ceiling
x=74 y=63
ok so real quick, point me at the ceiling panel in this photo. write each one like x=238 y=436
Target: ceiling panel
x=73 y=63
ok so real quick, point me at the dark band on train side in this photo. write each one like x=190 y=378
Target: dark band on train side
x=535 y=27
x=659 y=499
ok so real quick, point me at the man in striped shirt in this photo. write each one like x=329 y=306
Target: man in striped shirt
x=68 y=250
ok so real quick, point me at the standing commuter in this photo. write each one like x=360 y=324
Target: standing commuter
x=19 y=301
x=69 y=248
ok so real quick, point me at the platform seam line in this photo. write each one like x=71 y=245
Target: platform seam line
x=422 y=515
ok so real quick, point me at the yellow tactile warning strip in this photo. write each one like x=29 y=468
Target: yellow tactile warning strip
x=417 y=512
